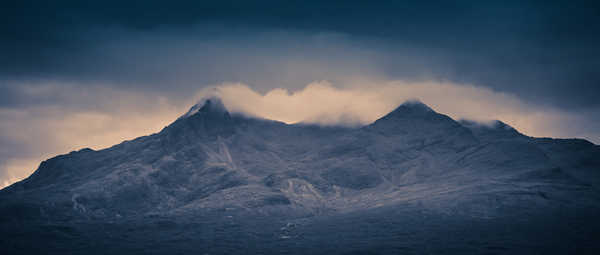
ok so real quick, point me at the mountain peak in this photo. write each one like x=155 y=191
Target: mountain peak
x=413 y=106
x=411 y=109
x=419 y=122
x=207 y=118
x=490 y=125
x=496 y=129
x=207 y=105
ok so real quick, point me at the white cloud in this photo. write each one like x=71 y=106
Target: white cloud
x=363 y=102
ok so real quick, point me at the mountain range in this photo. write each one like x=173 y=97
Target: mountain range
x=213 y=182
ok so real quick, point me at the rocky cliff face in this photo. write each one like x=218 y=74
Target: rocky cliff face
x=212 y=163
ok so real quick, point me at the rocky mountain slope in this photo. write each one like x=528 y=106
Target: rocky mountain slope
x=280 y=185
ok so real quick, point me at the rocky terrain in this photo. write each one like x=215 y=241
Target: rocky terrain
x=213 y=182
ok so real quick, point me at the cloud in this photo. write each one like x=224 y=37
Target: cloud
x=363 y=102
x=522 y=47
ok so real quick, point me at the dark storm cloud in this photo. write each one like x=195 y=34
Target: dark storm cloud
x=544 y=51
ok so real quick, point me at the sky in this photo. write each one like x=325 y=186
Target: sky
x=77 y=74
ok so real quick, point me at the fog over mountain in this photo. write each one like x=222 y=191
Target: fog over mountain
x=216 y=182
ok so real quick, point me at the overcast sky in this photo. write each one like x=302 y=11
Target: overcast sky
x=77 y=74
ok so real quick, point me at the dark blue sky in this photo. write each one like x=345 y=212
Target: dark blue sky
x=541 y=50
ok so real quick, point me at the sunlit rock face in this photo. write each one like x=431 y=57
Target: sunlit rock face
x=274 y=182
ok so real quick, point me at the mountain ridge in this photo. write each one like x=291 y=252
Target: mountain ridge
x=212 y=110
x=212 y=164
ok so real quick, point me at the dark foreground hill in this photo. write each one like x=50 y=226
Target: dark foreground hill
x=413 y=182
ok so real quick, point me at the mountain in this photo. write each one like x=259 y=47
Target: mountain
x=215 y=182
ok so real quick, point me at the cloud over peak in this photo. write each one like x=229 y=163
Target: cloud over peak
x=363 y=102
